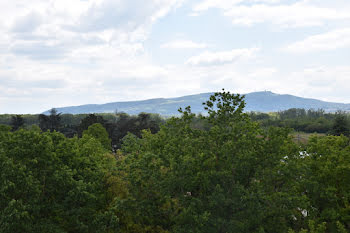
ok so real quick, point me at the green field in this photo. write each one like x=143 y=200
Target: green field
x=301 y=137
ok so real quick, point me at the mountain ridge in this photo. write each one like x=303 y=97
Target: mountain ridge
x=262 y=101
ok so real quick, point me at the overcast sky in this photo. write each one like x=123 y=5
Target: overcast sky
x=56 y=53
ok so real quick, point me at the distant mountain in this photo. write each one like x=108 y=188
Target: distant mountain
x=264 y=101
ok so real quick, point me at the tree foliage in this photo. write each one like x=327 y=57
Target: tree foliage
x=340 y=125
x=217 y=172
x=229 y=178
x=98 y=132
x=49 y=183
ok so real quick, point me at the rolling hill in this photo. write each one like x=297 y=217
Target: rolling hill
x=264 y=101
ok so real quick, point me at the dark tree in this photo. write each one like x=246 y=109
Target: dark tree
x=17 y=122
x=55 y=120
x=145 y=121
x=124 y=124
x=341 y=125
x=90 y=120
x=44 y=122
x=51 y=122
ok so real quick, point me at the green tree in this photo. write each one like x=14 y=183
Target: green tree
x=327 y=181
x=340 y=125
x=98 y=132
x=233 y=177
x=49 y=183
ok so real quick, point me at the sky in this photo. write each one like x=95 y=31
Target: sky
x=56 y=53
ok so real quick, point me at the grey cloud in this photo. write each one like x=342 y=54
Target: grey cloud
x=27 y=23
x=116 y=14
x=39 y=50
x=27 y=36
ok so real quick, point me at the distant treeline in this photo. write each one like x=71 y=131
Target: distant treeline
x=308 y=121
x=119 y=124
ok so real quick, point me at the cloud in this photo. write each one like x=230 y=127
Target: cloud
x=332 y=40
x=223 y=4
x=10 y=80
x=183 y=44
x=218 y=58
x=27 y=23
x=70 y=52
x=55 y=29
x=123 y=15
x=57 y=52
x=298 y=14
x=39 y=50
x=329 y=83
x=227 y=4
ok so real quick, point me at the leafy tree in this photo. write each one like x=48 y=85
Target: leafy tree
x=133 y=124
x=233 y=177
x=98 y=132
x=327 y=181
x=5 y=128
x=292 y=113
x=341 y=125
x=49 y=183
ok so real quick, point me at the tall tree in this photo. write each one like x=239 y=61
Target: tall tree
x=44 y=122
x=55 y=120
x=229 y=178
x=51 y=122
x=17 y=122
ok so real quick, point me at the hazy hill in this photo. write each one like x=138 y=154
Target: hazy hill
x=264 y=101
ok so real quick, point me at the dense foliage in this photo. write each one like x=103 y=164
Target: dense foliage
x=49 y=183
x=117 y=125
x=220 y=172
x=308 y=121
x=234 y=177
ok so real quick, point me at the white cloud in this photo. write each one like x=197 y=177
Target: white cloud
x=51 y=29
x=298 y=14
x=329 y=83
x=227 y=4
x=70 y=52
x=217 y=58
x=125 y=15
x=183 y=44
x=336 y=39
x=223 y=4
x=57 y=52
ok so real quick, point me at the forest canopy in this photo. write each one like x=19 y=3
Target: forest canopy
x=219 y=172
